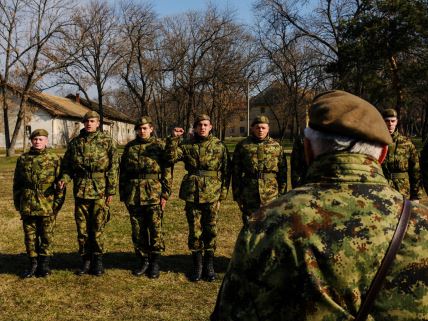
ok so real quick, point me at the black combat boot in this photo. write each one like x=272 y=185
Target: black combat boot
x=209 y=274
x=142 y=267
x=86 y=265
x=43 y=266
x=32 y=270
x=154 y=265
x=98 y=268
x=197 y=266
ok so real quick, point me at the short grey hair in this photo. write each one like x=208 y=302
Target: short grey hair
x=323 y=143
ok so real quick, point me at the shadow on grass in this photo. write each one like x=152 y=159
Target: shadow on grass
x=17 y=263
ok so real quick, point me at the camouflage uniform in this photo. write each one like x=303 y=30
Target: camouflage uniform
x=297 y=162
x=91 y=161
x=259 y=173
x=424 y=166
x=37 y=198
x=401 y=166
x=312 y=254
x=144 y=180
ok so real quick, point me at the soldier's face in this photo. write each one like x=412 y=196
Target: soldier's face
x=39 y=142
x=391 y=123
x=260 y=130
x=144 y=131
x=203 y=128
x=91 y=124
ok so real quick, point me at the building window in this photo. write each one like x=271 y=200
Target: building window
x=241 y=118
x=242 y=130
x=232 y=130
x=262 y=110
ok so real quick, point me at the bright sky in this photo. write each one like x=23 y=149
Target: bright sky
x=242 y=8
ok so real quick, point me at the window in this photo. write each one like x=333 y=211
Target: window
x=232 y=130
x=242 y=130
x=241 y=118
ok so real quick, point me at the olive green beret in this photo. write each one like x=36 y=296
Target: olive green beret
x=389 y=113
x=342 y=113
x=39 y=132
x=91 y=114
x=142 y=121
x=261 y=119
x=201 y=117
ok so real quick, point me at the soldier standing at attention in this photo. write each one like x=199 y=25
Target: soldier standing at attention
x=203 y=187
x=401 y=166
x=259 y=169
x=91 y=161
x=38 y=199
x=145 y=188
x=313 y=253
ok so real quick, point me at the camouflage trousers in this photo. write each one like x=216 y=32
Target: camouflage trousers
x=402 y=185
x=91 y=217
x=247 y=210
x=146 y=223
x=202 y=220
x=38 y=234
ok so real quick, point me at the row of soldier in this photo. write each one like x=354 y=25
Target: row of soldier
x=259 y=171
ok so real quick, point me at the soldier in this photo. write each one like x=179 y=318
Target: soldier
x=91 y=161
x=38 y=200
x=259 y=169
x=298 y=165
x=313 y=253
x=144 y=187
x=401 y=166
x=203 y=188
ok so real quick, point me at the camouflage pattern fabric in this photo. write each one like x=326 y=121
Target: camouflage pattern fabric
x=91 y=217
x=424 y=166
x=92 y=162
x=259 y=172
x=202 y=221
x=38 y=234
x=313 y=253
x=146 y=223
x=401 y=167
x=34 y=183
x=298 y=164
x=201 y=154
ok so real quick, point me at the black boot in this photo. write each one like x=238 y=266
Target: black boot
x=209 y=274
x=98 y=268
x=32 y=270
x=197 y=266
x=43 y=266
x=86 y=265
x=142 y=268
x=154 y=265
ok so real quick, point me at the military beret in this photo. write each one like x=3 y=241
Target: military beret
x=142 y=121
x=261 y=119
x=39 y=132
x=389 y=113
x=91 y=114
x=342 y=113
x=201 y=117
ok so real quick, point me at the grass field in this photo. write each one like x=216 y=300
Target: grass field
x=117 y=295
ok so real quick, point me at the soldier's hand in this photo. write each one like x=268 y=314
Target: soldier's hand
x=61 y=184
x=177 y=132
x=109 y=199
x=163 y=203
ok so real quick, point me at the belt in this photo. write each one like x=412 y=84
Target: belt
x=260 y=175
x=201 y=172
x=400 y=175
x=37 y=187
x=91 y=175
x=146 y=176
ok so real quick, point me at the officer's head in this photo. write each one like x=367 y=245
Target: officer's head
x=91 y=121
x=340 y=121
x=202 y=125
x=260 y=126
x=391 y=119
x=39 y=139
x=144 y=127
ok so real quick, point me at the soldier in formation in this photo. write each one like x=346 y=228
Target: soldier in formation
x=259 y=170
x=145 y=186
x=401 y=166
x=91 y=161
x=38 y=199
x=313 y=253
x=203 y=188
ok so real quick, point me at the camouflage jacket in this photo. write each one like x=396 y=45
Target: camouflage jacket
x=208 y=168
x=313 y=253
x=144 y=176
x=92 y=162
x=34 y=183
x=401 y=167
x=298 y=165
x=259 y=171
